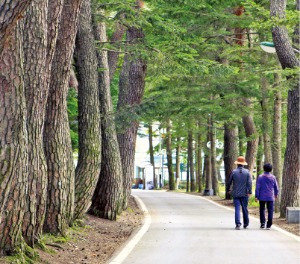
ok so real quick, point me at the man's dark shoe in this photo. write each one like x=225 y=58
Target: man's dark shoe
x=268 y=227
x=262 y=226
x=238 y=227
x=245 y=226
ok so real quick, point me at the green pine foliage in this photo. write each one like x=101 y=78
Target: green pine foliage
x=194 y=67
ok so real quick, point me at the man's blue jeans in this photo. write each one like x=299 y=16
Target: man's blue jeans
x=238 y=203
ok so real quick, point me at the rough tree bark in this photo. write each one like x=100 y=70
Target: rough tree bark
x=35 y=53
x=288 y=59
x=89 y=129
x=57 y=142
x=108 y=197
x=131 y=90
x=10 y=13
x=13 y=144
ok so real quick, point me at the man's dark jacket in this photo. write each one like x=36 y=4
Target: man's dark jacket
x=242 y=183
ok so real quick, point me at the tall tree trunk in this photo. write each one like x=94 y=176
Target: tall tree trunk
x=131 y=90
x=259 y=156
x=230 y=150
x=151 y=152
x=57 y=142
x=13 y=144
x=252 y=139
x=248 y=122
x=288 y=59
x=108 y=197
x=89 y=130
x=191 y=160
x=276 y=146
x=199 y=161
x=214 y=174
x=208 y=179
x=241 y=136
x=188 y=175
x=169 y=157
x=178 y=150
x=34 y=27
x=265 y=115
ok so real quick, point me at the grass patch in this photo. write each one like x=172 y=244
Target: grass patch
x=129 y=210
x=26 y=255
x=252 y=201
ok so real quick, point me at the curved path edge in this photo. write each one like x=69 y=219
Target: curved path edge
x=134 y=238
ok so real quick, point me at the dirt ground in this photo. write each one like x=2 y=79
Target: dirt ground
x=98 y=240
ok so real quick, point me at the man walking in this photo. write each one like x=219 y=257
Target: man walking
x=241 y=180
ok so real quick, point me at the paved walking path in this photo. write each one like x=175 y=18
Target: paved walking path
x=182 y=228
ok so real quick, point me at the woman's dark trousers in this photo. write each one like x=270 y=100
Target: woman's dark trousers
x=270 y=208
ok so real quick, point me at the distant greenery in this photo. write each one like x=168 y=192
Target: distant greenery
x=72 y=103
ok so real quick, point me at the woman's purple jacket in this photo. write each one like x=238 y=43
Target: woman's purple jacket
x=266 y=187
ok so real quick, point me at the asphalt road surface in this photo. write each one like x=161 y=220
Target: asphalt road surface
x=182 y=228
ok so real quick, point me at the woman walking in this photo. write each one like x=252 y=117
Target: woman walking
x=266 y=192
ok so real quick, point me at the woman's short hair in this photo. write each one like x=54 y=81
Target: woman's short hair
x=268 y=167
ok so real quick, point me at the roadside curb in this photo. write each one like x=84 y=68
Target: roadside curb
x=120 y=255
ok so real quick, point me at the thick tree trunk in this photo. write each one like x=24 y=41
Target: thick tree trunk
x=89 y=130
x=230 y=151
x=36 y=90
x=13 y=144
x=191 y=160
x=288 y=59
x=291 y=172
x=57 y=142
x=131 y=85
x=108 y=197
x=169 y=157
